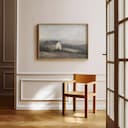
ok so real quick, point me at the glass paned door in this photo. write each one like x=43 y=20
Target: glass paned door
x=110 y=62
x=117 y=55
x=123 y=63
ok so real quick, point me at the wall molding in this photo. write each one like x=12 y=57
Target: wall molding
x=55 y=105
x=56 y=73
x=100 y=77
x=4 y=81
x=7 y=67
x=24 y=103
x=40 y=73
x=4 y=60
x=23 y=99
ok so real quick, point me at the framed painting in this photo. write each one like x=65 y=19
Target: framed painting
x=62 y=41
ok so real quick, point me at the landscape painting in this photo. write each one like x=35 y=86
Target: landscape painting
x=62 y=41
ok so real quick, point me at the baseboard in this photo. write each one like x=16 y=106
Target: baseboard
x=100 y=105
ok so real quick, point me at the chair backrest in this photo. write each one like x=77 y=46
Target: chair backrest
x=84 y=78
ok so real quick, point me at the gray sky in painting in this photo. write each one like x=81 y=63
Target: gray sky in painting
x=62 y=32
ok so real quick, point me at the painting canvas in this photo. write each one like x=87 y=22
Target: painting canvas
x=62 y=41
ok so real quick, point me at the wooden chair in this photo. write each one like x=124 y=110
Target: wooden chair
x=87 y=80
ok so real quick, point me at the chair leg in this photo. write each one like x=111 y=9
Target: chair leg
x=94 y=98
x=94 y=104
x=86 y=102
x=74 y=99
x=74 y=104
x=63 y=100
x=63 y=105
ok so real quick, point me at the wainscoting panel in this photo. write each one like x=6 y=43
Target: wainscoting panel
x=8 y=80
x=44 y=92
x=41 y=90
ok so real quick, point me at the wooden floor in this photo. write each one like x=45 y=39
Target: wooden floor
x=50 y=119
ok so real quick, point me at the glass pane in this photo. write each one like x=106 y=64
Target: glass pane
x=108 y=84
x=108 y=45
x=126 y=114
x=121 y=41
x=111 y=14
x=126 y=8
x=111 y=47
x=111 y=105
x=111 y=76
x=126 y=81
x=126 y=39
x=121 y=78
x=121 y=113
x=108 y=103
x=121 y=9
x=108 y=18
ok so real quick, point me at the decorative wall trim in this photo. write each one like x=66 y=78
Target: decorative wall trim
x=7 y=67
x=44 y=73
x=100 y=77
x=26 y=103
x=4 y=81
x=4 y=31
x=7 y=94
x=55 y=73
x=22 y=99
x=17 y=32
x=55 y=105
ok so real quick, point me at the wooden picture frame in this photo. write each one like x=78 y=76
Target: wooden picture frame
x=61 y=41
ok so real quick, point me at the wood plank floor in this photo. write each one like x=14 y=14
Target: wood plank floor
x=50 y=119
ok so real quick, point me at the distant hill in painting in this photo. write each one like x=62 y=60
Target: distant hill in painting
x=63 y=49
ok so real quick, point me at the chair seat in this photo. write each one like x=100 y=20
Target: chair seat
x=78 y=93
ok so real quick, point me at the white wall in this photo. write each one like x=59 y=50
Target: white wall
x=33 y=12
